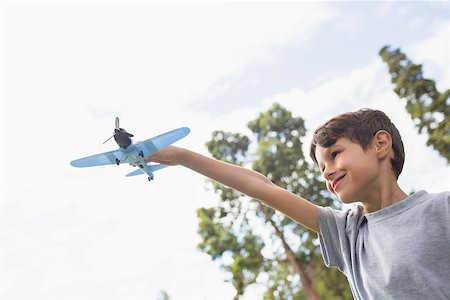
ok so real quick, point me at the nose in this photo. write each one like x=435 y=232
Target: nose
x=328 y=172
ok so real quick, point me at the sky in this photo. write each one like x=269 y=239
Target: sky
x=69 y=68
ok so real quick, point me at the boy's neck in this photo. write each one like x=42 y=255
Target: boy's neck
x=384 y=197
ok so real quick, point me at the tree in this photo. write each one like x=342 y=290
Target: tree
x=428 y=108
x=253 y=242
x=163 y=295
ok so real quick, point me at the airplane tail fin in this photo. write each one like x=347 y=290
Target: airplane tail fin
x=158 y=167
x=134 y=173
x=152 y=168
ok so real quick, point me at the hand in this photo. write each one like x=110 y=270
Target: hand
x=168 y=156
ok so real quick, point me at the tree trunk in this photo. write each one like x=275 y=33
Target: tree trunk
x=307 y=281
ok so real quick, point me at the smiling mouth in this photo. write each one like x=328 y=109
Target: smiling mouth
x=337 y=182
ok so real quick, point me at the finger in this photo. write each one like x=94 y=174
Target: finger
x=150 y=160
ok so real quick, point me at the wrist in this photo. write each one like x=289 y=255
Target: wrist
x=180 y=156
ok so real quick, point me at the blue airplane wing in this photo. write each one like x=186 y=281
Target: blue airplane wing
x=107 y=158
x=159 y=142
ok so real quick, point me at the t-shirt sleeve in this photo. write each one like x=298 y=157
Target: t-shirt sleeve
x=334 y=235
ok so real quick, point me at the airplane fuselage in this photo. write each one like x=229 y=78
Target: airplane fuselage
x=134 y=157
x=129 y=152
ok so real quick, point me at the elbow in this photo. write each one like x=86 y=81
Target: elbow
x=259 y=188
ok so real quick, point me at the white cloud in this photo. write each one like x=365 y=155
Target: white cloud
x=434 y=54
x=344 y=92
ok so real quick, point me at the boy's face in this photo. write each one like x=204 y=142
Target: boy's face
x=350 y=172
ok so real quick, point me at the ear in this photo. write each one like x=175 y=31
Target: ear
x=382 y=143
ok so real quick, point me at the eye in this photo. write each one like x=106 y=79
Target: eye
x=335 y=153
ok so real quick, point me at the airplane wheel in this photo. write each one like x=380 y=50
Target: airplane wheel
x=117 y=161
x=150 y=178
x=141 y=166
x=141 y=154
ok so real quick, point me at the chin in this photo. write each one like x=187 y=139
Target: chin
x=346 y=199
x=344 y=196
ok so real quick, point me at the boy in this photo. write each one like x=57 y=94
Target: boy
x=391 y=247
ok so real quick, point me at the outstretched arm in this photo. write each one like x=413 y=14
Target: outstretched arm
x=246 y=181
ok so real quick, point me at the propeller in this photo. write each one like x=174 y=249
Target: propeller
x=117 y=127
x=108 y=139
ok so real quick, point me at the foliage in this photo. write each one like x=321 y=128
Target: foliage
x=428 y=108
x=163 y=295
x=254 y=243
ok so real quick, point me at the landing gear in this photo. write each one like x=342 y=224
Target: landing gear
x=141 y=154
x=150 y=178
x=117 y=161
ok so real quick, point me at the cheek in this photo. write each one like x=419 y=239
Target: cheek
x=365 y=172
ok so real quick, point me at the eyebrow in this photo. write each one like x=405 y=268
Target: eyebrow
x=335 y=145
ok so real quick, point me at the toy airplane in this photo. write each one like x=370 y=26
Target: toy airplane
x=133 y=153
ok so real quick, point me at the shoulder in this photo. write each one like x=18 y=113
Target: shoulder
x=442 y=198
x=436 y=204
x=344 y=219
x=424 y=193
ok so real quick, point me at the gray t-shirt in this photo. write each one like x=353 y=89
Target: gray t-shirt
x=399 y=252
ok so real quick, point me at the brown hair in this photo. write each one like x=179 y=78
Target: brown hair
x=359 y=127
